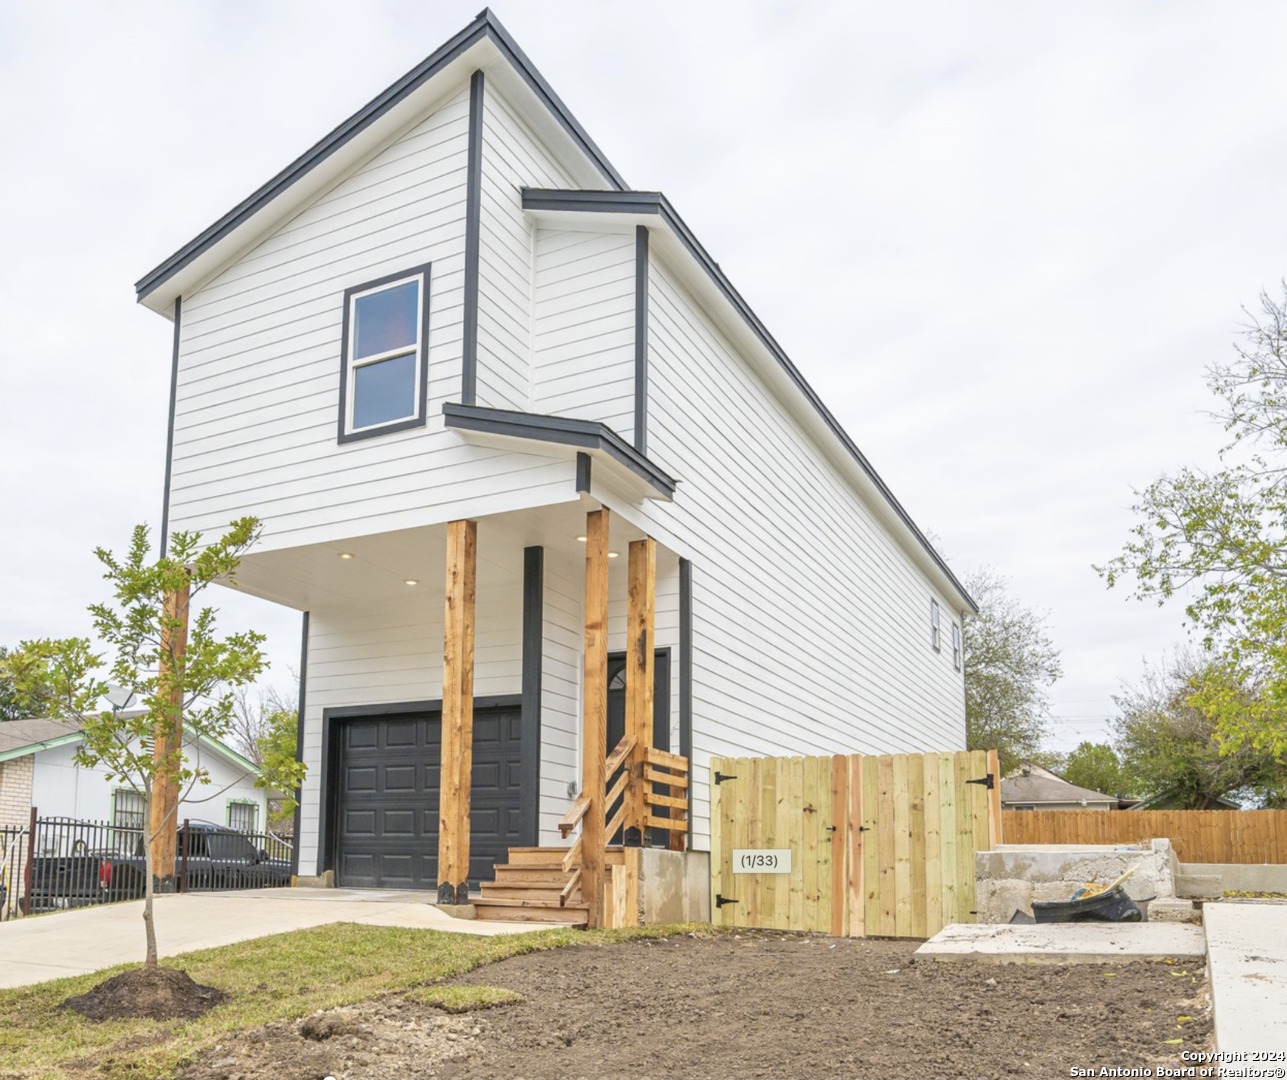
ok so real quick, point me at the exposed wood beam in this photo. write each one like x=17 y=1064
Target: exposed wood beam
x=457 y=713
x=640 y=643
x=594 y=719
x=167 y=748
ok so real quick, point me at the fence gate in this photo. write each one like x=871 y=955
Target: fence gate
x=851 y=844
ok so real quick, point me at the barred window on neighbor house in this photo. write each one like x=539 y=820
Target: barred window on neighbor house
x=243 y=816
x=127 y=809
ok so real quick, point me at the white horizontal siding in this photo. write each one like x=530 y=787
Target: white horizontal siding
x=811 y=624
x=513 y=158
x=584 y=327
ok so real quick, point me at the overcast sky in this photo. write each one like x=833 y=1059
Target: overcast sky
x=1002 y=240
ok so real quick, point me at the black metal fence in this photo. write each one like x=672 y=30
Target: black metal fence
x=77 y=863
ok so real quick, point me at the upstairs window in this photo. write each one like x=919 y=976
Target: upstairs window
x=384 y=355
x=956 y=646
x=934 y=633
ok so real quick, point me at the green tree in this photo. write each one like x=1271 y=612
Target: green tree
x=11 y=708
x=1219 y=540
x=1010 y=662
x=1168 y=741
x=1096 y=766
x=191 y=687
x=265 y=730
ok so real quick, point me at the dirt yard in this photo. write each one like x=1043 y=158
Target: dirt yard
x=757 y=1005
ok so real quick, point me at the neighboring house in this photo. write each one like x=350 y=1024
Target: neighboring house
x=453 y=309
x=1035 y=788
x=38 y=769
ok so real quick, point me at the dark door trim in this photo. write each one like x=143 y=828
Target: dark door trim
x=332 y=722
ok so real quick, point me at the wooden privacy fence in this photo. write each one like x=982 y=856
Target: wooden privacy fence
x=1198 y=836
x=876 y=845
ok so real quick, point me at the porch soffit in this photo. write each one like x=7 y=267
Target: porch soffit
x=315 y=577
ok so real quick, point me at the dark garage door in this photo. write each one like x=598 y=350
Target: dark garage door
x=387 y=799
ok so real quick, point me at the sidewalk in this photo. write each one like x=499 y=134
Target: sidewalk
x=1247 y=967
x=89 y=939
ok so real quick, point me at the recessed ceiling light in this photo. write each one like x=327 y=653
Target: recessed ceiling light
x=411 y=581
x=613 y=554
x=582 y=539
x=346 y=554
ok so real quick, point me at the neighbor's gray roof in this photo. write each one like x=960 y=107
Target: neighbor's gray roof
x=20 y=734
x=1039 y=789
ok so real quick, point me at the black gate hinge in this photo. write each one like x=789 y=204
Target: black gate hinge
x=720 y=901
x=988 y=781
x=719 y=779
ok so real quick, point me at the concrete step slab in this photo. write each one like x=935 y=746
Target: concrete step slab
x=1247 y=967
x=1065 y=943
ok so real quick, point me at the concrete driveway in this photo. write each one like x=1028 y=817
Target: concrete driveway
x=89 y=939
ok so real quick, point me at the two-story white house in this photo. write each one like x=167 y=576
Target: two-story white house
x=483 y=394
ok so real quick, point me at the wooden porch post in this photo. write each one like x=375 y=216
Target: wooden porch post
x=457 y=713
x=639 y=679
x=594 y=716
x=168 y=739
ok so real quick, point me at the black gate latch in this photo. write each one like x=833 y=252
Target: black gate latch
x=988 y=781
x=719 y=779
x=720 y=901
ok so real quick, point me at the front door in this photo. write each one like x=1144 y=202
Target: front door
x=660 y=714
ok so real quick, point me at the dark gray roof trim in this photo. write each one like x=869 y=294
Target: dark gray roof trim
x=485 y=25
x=654 y=202
x=564 y=430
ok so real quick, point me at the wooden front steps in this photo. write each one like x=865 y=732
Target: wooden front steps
x=528 y=889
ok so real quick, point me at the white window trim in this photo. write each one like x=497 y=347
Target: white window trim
x=227 y=813
x=956 y=646
x=935 y=637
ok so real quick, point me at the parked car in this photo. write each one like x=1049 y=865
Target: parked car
x=208 y=857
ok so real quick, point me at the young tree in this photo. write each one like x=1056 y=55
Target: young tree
x=1169 y=741
x=164 y=650
x=1010 y=661
x=1219 y=540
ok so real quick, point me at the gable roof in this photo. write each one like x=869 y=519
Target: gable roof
x=482 y=44
x=18 y=738
x=1040 y=785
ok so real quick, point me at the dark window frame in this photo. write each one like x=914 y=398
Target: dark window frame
x=345 y=435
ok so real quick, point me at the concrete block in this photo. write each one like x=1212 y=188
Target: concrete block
x=1013 y=876
x=325 y=880
x=1240 y=877
x=1064 y=943
x=1199 y=885
x=674 y=886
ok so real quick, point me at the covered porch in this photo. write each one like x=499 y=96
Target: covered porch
x=504 y=689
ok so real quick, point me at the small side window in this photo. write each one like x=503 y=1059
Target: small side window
x=956 y=646
x=934 y=632
x=243 y=816
x=384 y=355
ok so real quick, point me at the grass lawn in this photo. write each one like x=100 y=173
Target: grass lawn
x=282 y=977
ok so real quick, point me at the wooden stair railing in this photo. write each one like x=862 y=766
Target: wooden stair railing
x=664 y=778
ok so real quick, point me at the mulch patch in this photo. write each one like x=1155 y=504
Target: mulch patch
x=159 y=993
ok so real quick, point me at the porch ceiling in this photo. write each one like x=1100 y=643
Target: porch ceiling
x=316 y=577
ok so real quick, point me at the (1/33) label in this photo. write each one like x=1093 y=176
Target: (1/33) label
x=761 y=860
